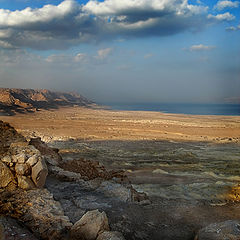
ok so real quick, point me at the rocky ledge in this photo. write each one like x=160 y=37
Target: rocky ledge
x=50 y=198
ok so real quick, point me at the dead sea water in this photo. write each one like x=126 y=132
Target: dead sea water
x=180 y=108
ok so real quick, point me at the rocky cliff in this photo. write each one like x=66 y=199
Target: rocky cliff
x=28 y=100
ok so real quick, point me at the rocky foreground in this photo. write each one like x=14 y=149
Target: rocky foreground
x=24 y=167
x=43 y=196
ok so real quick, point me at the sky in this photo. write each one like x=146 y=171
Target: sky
x=129 y=51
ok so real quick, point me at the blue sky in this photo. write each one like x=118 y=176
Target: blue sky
x=123 y=51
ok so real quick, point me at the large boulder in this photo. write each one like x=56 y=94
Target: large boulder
x=220 y=231
x=90 y=225
x=39 y=173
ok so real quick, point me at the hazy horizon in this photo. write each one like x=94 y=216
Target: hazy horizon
x=134 y=51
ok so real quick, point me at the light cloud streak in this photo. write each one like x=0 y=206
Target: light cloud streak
x=200 y=47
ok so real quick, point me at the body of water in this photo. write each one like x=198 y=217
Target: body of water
x=181 y=108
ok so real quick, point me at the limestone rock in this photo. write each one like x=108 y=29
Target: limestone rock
x=6 y=175
x=7 y=159
x=39 y=173
x=220 y=231
x=25 y=183
x=20 y=158
x=110 y=236
x=50 y=154
x=33 y=160
x=90 y=225
x=21 y=169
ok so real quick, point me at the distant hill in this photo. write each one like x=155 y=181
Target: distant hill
x=14 y=100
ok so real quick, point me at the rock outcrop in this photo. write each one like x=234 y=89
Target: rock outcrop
x=8 y=135
x=38 y=211
x=24 y=167
x=50 y=154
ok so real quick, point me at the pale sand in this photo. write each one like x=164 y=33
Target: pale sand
x=99 y=124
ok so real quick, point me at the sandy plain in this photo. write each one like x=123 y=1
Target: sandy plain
x=100 y=124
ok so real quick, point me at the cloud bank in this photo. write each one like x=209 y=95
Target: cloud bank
x=71 y=23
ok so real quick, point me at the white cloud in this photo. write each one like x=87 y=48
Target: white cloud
x=222 y=17
x=71 y=23
x=201 y=47
x=226 y=4
x=121 y=8
x=29 y=16
x=103 y=53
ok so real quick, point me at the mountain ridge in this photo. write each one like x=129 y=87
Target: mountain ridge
x=14 y=100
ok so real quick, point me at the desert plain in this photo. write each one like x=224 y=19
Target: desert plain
x=189 y=165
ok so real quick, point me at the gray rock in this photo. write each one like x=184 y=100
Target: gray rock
x=6 y=175
x=90 y=225
x=113 y=189
x=39 y=173
x=25 y=182
x=110 y=236
x=228 y=230
x=63 y=174
x=21 y=169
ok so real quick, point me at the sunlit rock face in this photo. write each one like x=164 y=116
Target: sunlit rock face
x=22 y=166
